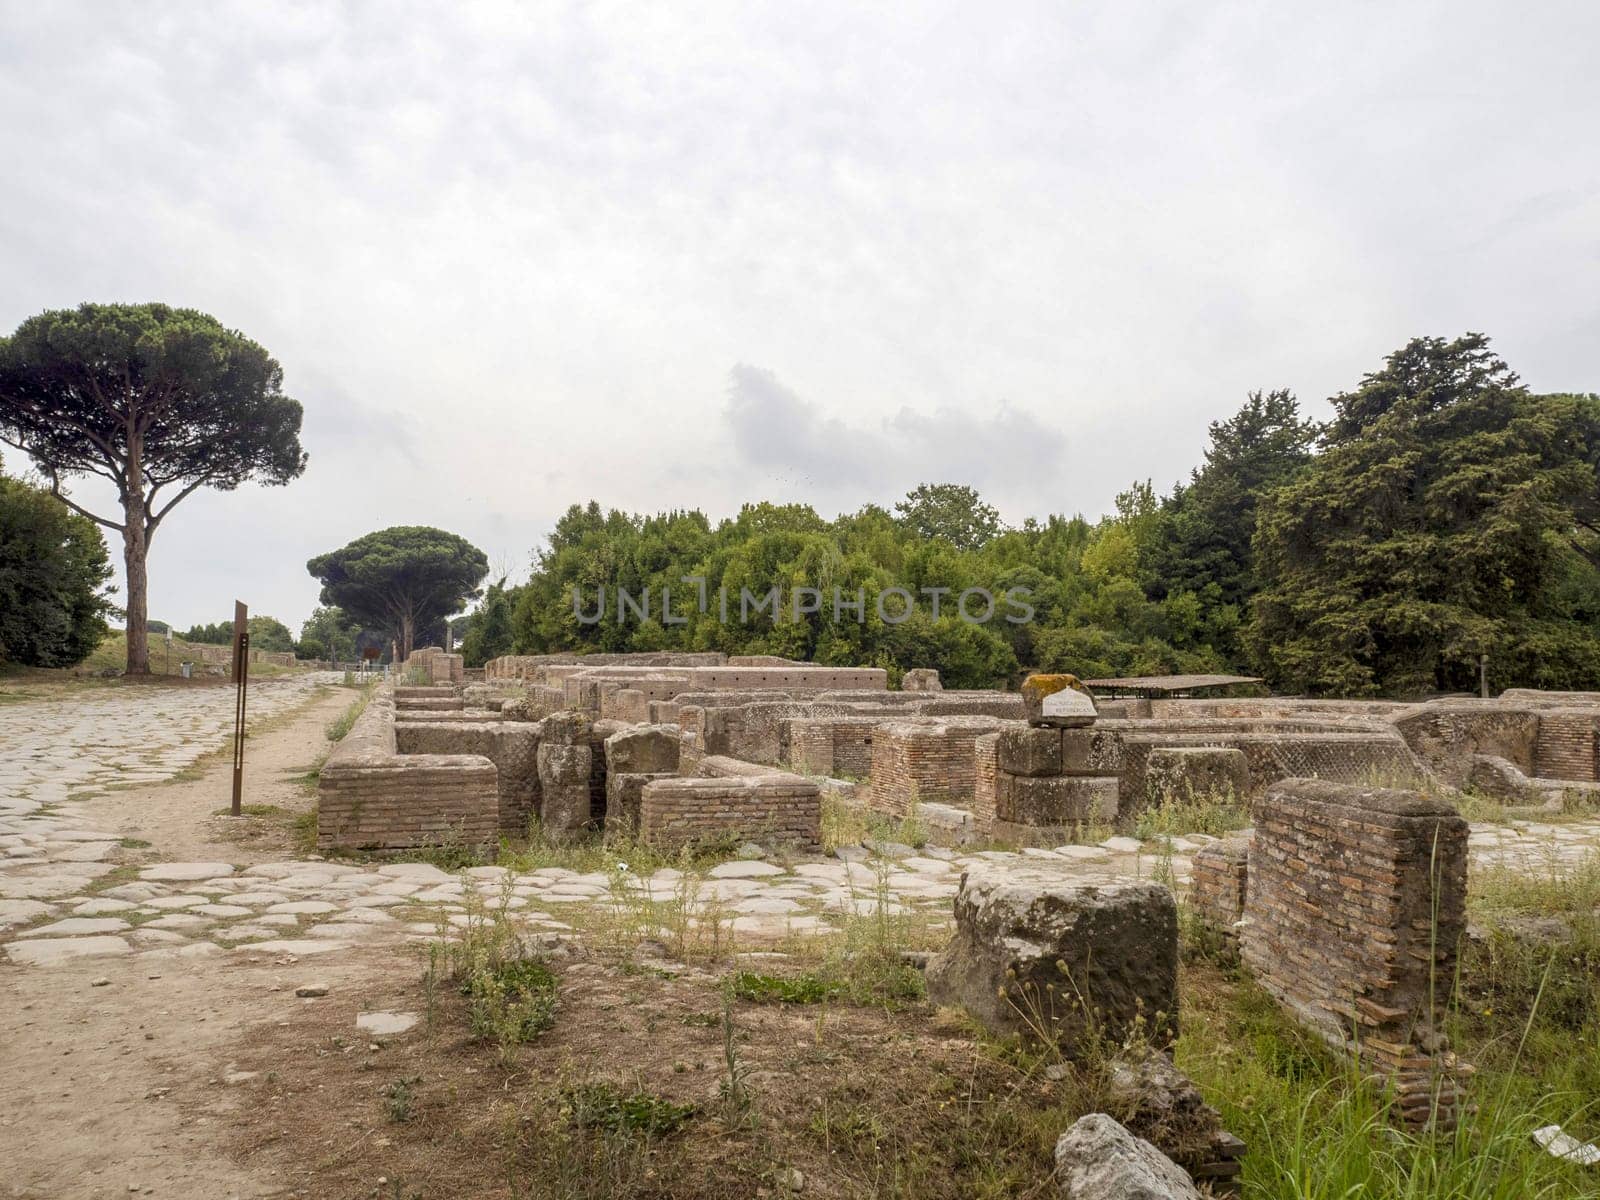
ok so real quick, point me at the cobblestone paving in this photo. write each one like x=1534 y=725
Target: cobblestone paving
x=57 y=904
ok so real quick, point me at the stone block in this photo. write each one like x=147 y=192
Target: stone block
x=1055 y=799
x=1090 y=752
x=1038 y=951
x=1027 y=750
x=566 y=800
x=1060 y=701
x=1187 y=773
x=921 y=679
x=1098 y=1159
x=643 y=750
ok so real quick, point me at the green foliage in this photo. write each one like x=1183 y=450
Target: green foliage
x=331 y=629
x=782 y=989
x=158 y=400
x=266 y=633
x=403 y=579
x=487 y=631
x=951 y=511
x=1448 y=513
x=53 y=574
x=603 y=1106
x=1431 y=529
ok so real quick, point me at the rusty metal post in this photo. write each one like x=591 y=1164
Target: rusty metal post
x=241 y=683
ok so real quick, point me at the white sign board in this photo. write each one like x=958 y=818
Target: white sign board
x=1068 y=702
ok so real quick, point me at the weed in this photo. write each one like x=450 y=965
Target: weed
x=1210 y=813
x=511 y=996
x=602 y=1106
x=778 y=989
x=399 y=1098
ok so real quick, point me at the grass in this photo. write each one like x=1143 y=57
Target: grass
x=111 y=655
x=1173 y=816
x=511 y=994
x=339 y=728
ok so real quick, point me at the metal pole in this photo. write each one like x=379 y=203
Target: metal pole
x=241 y=680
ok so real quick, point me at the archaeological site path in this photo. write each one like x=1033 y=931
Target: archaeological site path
x=145 y=939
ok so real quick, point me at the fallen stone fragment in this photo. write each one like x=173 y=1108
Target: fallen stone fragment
x=1097 y=1159
x=310 y=991
x=385 y=1024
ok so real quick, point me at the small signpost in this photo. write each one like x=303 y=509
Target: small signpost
x=241 y=680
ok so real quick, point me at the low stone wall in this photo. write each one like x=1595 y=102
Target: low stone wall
x=370 y=797
x=1447 y=735
x=772 y=810
x=1354 y=909
x=1273 y=750
x=512 y=746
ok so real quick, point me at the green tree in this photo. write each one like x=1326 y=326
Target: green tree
x=218 y=633
x=404 y=579
x=269 y=634
x=333 y=630
x=1202 y=548
x=952 y=511
x=157 y=400
x=53 y=573
x=488 y=629
x=1430 y=529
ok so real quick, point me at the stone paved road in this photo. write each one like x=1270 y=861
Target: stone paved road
x=56 y=905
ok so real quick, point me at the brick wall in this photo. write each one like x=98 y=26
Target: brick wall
x=1217 y=884
x=1565 y=745
x=931 y=761
x=769 y=809
x=1355 y=906
x=371 y=798
x=511 y=745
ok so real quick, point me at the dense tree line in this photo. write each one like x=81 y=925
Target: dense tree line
x=1443 y=513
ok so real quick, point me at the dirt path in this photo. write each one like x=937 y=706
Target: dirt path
x=181 y=819
x=114 y=1073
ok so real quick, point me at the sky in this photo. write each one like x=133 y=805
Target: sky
x=513 y=256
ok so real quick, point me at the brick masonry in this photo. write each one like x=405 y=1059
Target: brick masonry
x=369 y=797
x=772 y=810
x=1354 y=908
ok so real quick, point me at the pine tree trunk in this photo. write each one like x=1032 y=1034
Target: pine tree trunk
x=407 y=632
x=133 y=558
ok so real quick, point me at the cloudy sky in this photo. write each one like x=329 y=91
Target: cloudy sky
x=516 y=255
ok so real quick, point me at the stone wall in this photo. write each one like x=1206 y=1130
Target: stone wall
x=370 y=797
x=1354 y=909
x=1448 y=734
x=772 y=810
x=1051 y=782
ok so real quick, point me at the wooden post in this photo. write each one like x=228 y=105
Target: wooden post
x=241 y=682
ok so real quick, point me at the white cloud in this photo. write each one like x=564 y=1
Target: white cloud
x=506 y=252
